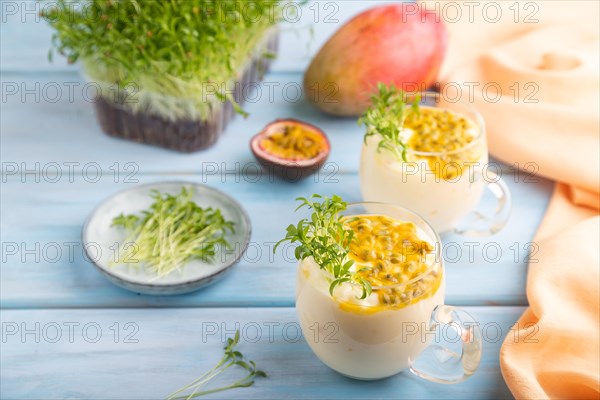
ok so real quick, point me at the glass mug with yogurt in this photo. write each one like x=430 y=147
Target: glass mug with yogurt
x=393 y=328
x=445 y=170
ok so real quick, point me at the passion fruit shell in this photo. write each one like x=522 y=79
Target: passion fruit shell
x=290 y=149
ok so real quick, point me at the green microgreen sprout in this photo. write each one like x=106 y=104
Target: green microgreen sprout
x=172 y=58
x=386 y=116
x=231 y=357
x=326 y=239
x=171 y=232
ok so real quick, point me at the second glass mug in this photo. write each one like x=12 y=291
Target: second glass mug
x=445 y=187
x=364 y=341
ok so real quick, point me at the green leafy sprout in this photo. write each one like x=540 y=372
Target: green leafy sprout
x=175 y=58
x=231 y=358
x=326 y=239
x=171 y=232
x=386 y=116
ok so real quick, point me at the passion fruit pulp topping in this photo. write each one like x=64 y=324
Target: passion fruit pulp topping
x=388 y=252
x=294 y=142
x=436 y=130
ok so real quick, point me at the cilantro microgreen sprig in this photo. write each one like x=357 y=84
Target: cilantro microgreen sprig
x=172 y=231
x=231 y=357
x=386 y=116
x=326 y=239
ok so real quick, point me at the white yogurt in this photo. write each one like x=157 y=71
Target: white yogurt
x=369 y=345
x=414 y=185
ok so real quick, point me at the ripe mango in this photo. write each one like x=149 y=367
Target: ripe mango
x=400 y=43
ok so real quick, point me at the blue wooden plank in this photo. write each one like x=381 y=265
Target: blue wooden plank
x=174 y=346
x=50 y=215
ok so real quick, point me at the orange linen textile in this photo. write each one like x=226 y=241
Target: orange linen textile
x=534 y=76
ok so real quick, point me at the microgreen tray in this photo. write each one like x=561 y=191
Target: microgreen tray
x=185 y=134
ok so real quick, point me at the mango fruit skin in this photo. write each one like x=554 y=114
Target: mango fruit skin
x=396 y=43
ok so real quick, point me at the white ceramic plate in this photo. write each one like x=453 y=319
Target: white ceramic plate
x=100 y=240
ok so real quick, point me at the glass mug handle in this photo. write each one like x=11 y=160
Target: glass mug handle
x=441 y=365
x=477 y=224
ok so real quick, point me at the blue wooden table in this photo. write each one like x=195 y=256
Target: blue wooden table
x=69 y=333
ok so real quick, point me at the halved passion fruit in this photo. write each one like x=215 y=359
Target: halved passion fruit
x=290 y=148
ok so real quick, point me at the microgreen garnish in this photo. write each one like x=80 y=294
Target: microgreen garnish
x=163 y=50
x=385 y=117
x=172 y=231
x=326 y=239
x=230 y=358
